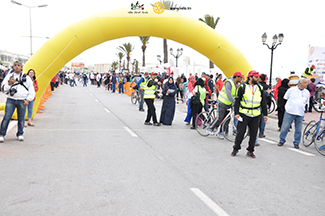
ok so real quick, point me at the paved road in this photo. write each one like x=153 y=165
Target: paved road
x=90 y=154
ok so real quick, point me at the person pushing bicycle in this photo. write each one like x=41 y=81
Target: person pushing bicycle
x=226 y=100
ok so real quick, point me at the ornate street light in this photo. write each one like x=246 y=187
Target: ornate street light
x=179 y=53
x=159 y=58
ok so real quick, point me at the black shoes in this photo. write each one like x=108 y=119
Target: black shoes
x=156 y=124
x=296 y=146
x=234 y=152
x=147 y=123
x=261 y=136
x=192 y=127
x=250 y=154
x=280 y=144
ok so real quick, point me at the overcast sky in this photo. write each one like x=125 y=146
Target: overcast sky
x=241 y=22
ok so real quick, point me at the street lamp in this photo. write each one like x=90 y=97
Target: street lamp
x=273 y=47
x=159 y=58
x=179 y=53
x=30 y=20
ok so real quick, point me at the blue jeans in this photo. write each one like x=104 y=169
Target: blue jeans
x=287 y=121
x=262 y=124
x=30 y=109
x=189 y=112
x=11 y=105
x=113 y=87
x=141 y=93
x=120 y=88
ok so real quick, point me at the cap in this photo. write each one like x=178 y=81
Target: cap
x=242 y=76
x=278 y=77
x=254 y=73
x=238 y=74
x=313 y=66
x=153 y=73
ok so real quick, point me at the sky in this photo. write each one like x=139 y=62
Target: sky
x=241 y=22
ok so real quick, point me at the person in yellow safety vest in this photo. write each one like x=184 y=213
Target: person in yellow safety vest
x=249 y=105
x=149 y=97
x=308 y=71
x=226 y=100
x=141 y=85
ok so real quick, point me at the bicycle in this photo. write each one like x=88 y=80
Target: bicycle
x=135 y=96
x=204 y=119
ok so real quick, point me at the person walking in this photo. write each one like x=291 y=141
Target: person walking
x=98 y=79
x=281 y=101
x=190 y=87
x=84 y=77
x=168 y=108
x=276 y=89
x=196 y=108
x=149 y=97
x=20 y=90
x=226 y=100
x=141 y=85
x=250 y=103
x=267 y=91
x=297 y=97
x=29 y=107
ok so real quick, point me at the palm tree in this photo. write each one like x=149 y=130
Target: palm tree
x=209 y=20
x=120 y=55
x=144 y=41
x=127 y=48
x=114 y=65
x=168 y=5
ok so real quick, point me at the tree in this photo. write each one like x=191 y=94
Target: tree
x=209 y=20
x=144 y=41
x=120 y=55
x=168 y=6
x=114 y=65
x=127 y=48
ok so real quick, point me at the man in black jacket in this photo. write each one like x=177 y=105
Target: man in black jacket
x=268 y=97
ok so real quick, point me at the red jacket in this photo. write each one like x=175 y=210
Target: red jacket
x=276 y=90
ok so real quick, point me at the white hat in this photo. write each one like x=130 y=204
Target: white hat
x=278 y=77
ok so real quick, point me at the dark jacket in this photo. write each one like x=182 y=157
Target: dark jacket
x=281 y=92
x=239 y=97
x=268 y=96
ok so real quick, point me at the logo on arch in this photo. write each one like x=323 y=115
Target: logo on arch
x=158 y=8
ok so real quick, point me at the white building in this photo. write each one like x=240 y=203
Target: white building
x=8 y=58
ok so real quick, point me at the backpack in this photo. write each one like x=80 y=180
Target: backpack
x=195 y=99
x=181 y=86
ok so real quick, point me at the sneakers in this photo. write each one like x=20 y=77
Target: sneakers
x=147 y=123
x=261 y=136
x=141 y=110
x=320 y=148
x=280 y=144
x=2 y=139
x=156 y=124
x=220 y=135
x=210 y=131
x=250 y=154
x=296 y=146
x=20 y=138
x=234 y=152
x=257 y=144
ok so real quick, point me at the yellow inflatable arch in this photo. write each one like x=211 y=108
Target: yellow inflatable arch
x=89 y=32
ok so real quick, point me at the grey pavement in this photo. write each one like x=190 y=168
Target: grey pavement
x=90 y=154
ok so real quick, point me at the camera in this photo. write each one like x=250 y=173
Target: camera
x=12 y=91
x=21 y=79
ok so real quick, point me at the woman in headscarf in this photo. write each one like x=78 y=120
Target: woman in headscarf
x=281 y=101
x=199 y=88
x=168 y=107
x=190 y=87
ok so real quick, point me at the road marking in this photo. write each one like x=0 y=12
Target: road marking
x=130 y=132
x=209 y=202
x=301 y=152
x=269 y=141
x=107 y=110
x=96 y=100
x=11 y=125
x=91 y=94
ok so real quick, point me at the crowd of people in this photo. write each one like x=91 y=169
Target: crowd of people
x=250 y=98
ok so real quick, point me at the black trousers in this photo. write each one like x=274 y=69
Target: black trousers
x=252 y=123
x=280 y=117
x=151 y=112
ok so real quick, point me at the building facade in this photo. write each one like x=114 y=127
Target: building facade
x=8 y=58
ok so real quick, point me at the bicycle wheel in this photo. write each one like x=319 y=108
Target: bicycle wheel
x=229 y=129
x=309 y=133
x=134 y=98
x=320 y=142
x=272 y=107
x=318 y=105
x=202 y=121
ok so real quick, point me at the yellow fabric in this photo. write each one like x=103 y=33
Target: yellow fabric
x=149 y=92
x=251 y=103
x=223 y=95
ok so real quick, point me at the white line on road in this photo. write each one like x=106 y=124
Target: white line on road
x=107 y=110
x=301 y=152
x=11 y=125
x=269 y=141
x=209 y=202
x=91 y=94
x=96 y=100
x=130 y=132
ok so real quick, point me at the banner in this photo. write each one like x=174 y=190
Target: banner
x=78 y=65
x=316 y=56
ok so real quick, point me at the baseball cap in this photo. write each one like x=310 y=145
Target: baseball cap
x=254 y=73
x=153 y=73
x=313 y=66
x=238 y=74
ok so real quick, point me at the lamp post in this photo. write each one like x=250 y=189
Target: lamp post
x=273 y=47
x=179 y=53
x=30 y=20
x=159 y=59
